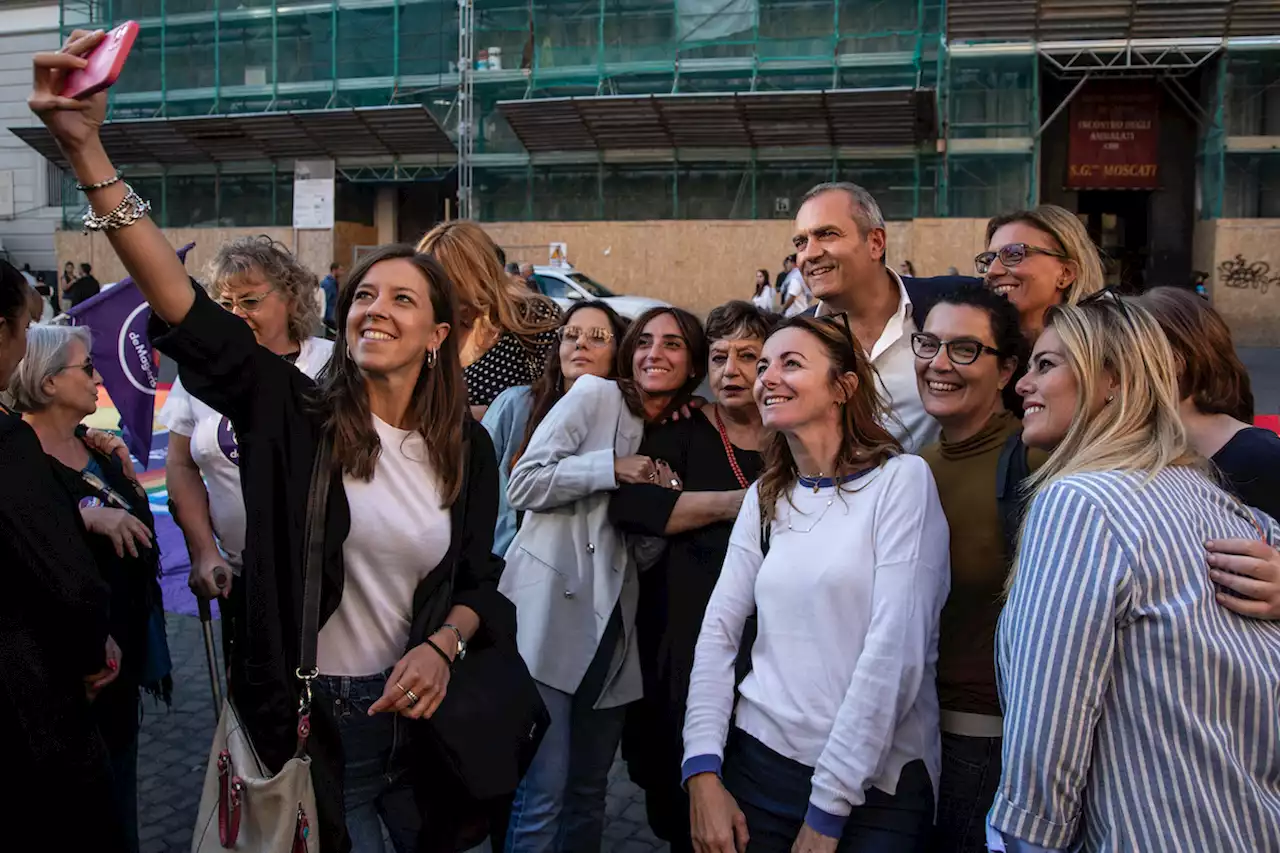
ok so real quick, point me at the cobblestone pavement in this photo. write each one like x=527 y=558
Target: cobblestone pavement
x=174 y=747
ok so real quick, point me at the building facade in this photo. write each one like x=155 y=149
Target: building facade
x=605 y=118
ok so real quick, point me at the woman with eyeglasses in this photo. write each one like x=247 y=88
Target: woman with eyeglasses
x=262 y=283
x=1039 y=258
x=589 y=337
x=506 y=333
x=715 y=455
x=840 y=549
x=573 y=578
x=1139 y=714
x=966 y=355
x=54 y=628
x=56 y=387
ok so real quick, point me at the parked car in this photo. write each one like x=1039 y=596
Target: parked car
x=566 y=285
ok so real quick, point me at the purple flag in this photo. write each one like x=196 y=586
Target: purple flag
x=123 y=355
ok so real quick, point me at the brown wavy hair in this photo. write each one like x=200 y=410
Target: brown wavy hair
x=438 y=407
x=470 y=257
x=863 y=439
x=281 y=270
x=549 y=387
x=694 y=338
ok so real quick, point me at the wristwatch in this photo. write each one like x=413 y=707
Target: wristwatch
x=462 y=643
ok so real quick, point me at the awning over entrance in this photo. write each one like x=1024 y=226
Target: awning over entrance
x=1066 y=20
x=834 y=118
x=314 y=134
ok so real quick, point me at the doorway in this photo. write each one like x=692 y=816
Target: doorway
x=1117 y=222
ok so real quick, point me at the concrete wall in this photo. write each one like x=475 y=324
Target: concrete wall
x=26 y=231
x=1245 y=276
x=701 y=264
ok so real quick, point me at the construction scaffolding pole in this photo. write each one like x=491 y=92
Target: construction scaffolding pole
x=466 y=105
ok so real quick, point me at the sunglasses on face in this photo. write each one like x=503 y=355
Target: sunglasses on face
x=596 y=337
x=962 y=351
x=1012 y=255
x=86 y=368
x=247 y=304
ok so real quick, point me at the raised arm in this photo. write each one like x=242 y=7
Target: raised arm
x=141 y=246
x=912 y=577
x=1055 y=650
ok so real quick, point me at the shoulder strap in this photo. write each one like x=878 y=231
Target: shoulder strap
x=1011 y=471
x=313 y=550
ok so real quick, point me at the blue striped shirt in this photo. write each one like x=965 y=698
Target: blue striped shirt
x=1140 y=715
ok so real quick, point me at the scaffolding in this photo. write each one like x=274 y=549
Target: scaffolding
x=982 y=68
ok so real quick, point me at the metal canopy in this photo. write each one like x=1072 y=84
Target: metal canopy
x=834 y=118
x=1066 y=20
x=393 y=131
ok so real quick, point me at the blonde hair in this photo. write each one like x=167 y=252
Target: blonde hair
x=1066 y=229
x=278 y=266
x=470 y=257
x=1140 y=429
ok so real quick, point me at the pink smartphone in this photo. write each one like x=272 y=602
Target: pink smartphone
x=105 y=63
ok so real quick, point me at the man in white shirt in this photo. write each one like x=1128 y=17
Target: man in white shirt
x=840 y=249
x=794 y=295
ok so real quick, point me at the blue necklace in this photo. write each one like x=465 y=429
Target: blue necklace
x=821 y=482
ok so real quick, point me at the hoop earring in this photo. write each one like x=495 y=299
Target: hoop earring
x=432 y=357
x=1111 y=398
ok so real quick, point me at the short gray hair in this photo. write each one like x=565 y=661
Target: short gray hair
x=47 y=348
x=866 y=212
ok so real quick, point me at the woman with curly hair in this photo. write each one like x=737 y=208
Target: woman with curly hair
x=262 y=283
x=506 y=332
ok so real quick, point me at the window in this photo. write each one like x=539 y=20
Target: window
x=554 y=287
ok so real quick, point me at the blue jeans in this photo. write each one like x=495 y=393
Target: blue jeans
x=970 y=776
x=371 y=793
x=559 y=805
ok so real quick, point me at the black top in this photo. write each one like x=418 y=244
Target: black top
x=1250 y=463
x=269 y=404
x=81 y=289
x=53 y=632
x=512 y=361
x=675 y=591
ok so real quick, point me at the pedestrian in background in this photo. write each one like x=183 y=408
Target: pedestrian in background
x=840 y=550
x=766 y=296
x=329 y=287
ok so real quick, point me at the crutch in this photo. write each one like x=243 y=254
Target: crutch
x=210 y=652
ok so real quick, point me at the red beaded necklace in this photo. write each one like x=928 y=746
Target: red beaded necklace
x=728 y=449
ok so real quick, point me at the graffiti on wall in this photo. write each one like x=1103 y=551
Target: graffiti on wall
x=1239 y=274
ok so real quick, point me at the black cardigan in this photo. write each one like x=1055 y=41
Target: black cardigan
x=267 y=399
x=53 y=632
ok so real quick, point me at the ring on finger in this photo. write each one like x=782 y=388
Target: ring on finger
x=413 y=697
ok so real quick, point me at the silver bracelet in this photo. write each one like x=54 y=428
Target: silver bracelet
x=100 y=185
x=128 y=211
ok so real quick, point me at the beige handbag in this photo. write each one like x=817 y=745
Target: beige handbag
x=243 y=807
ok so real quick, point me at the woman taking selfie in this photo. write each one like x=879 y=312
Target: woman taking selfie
x=966 y=355
x=505 y=334
x=56 y=387
x=589 y=337
x=412 y=501
x=840 y=549
x=1124 y=684
x=715 y=455
x=573 y=579
x=260 y=282
x=53 y=627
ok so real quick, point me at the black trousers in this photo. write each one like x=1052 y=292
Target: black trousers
x=773 y=792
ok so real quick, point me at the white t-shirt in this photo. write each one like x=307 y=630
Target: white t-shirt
x=766 y=299
x=794 y=284
x=216 y=453
x=400 y=531
x=848 y=599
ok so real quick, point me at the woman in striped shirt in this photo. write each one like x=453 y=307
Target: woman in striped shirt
x=1139 y=714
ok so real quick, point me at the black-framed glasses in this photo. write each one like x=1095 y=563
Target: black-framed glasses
x=1113 y=296
x=595 y=336
x=86 y=368
x=1012 y=255
x=959 y=351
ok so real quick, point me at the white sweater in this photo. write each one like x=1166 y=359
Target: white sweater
x=843 y=668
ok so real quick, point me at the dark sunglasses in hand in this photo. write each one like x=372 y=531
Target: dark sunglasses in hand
x=962 y=351
x=1011 y=255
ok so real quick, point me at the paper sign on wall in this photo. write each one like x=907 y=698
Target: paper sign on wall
x=313 y=193
x=559 y=255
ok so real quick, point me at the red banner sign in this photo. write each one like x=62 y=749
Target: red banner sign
x=1115 y=139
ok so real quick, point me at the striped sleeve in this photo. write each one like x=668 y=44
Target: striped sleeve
x=1056 y=647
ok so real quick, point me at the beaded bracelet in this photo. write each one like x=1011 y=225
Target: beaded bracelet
x=128 y=211
x=100 y=185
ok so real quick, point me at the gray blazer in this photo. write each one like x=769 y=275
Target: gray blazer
x=568 y=567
